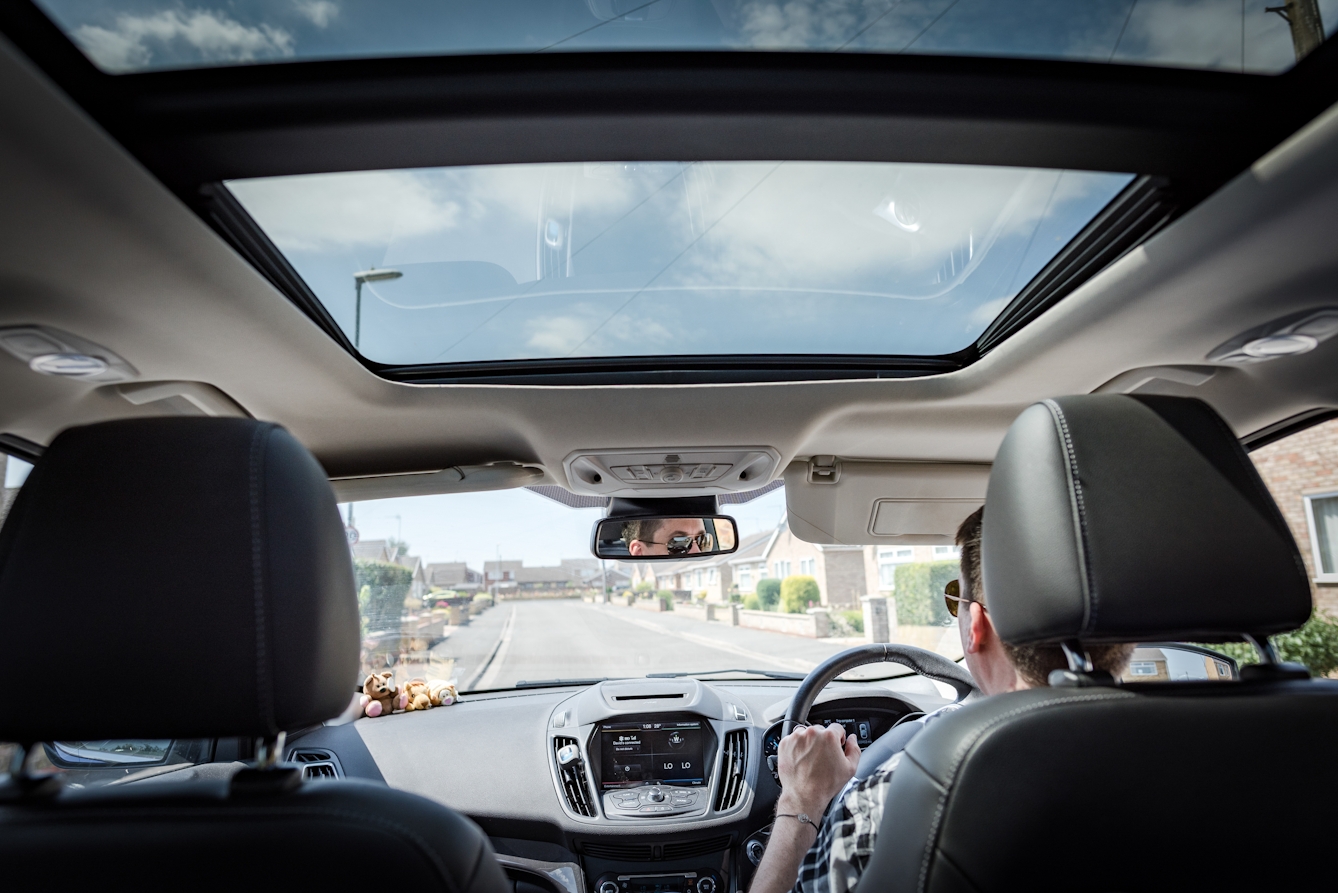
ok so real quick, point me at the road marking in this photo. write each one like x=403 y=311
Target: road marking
x=793 y=663
x=492 y=666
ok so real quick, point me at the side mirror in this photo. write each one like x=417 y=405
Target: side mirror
x=664 y=537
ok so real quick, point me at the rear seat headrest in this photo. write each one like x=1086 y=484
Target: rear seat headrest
x=1113 y=518
x=174 y=578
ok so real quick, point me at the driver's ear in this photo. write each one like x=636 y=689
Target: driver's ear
x=980 y=628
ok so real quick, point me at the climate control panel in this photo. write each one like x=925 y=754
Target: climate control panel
x=669 y=882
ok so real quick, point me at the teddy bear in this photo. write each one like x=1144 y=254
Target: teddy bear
x=380 y=694
x=442 y=693
x=416 y=695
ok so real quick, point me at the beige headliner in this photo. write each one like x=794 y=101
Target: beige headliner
x=94 y=245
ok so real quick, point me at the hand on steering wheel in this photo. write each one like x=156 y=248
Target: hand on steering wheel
x=925 y=663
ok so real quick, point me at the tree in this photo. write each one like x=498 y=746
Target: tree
x=1315 y=645
x=768 y=593
x=398 y=548
x=382 y=587
x=919 y=592
x=799 y=593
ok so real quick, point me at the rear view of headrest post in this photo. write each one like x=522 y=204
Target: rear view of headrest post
x=1112 y=518
x=175 y=578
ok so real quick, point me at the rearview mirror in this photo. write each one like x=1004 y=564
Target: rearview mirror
x=665 y=537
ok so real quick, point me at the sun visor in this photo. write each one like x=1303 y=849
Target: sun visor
x=835 y=501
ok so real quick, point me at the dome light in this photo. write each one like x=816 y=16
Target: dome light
x=68 y=365
x=1280 y=346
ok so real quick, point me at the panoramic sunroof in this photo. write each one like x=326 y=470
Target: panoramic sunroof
x=608 y=259
x=1261 y=36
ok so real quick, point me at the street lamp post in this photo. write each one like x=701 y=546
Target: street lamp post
x=372 y=275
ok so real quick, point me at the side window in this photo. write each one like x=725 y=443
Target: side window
x=1301 y=471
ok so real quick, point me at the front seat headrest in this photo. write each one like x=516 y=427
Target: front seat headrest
x=1113 y=518
x=174 y=578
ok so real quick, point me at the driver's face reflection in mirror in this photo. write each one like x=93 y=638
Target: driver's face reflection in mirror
x=652 y=537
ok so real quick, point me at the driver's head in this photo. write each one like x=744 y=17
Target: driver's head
x=996 y=665
x=653 y=537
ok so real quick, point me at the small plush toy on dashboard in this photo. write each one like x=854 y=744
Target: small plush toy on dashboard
x=379 y=694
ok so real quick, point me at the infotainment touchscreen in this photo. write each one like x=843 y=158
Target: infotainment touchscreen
x=635 y=753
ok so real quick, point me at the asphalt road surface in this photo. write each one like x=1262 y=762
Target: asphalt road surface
x=569 y=639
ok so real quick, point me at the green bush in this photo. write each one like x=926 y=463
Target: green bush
x=666 y=597
x=1315 y=644
x=768 y=593
x=751 y=602
x=854 y=620
x=799 y=593
x=643 y=586
x=919 y=592
x=382 y=588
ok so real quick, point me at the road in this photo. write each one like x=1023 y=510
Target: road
x=569 y=639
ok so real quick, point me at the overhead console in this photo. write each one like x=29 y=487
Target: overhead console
x=837 y=501
x=640 y=750
x=670 y=472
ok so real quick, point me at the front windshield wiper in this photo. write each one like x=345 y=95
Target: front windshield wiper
x=770 y=674
x=545 y=683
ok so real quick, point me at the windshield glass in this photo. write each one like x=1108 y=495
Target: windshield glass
x=539 y=261
x=137 y=35
x=498 y=589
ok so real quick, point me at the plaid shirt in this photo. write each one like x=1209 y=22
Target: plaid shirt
x=850 y=829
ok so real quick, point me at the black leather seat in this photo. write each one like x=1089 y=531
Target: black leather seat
x=189 y=578
x=1122 y=519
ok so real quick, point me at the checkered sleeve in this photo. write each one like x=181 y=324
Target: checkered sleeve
x=846 y=837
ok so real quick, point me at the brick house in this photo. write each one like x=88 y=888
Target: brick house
x=1302 y=473
x=455 y=575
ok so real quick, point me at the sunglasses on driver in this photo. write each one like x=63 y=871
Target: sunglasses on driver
x=952 y=596
x=679 y=545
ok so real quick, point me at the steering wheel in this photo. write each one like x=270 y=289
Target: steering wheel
x=925 y=663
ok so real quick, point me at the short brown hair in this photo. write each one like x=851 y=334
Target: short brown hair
x=642 y=530
x=1033 y=663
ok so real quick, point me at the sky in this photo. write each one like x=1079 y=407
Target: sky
x=472 y=527
x=127 y=35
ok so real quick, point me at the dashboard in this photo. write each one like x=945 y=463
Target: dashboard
x=624 y=786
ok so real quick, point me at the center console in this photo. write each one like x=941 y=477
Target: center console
x=652 y=767
x=667 y=882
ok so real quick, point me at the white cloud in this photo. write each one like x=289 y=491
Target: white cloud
x=331 y=211
x=320 y=12
x=212 y=36
x=804 y=23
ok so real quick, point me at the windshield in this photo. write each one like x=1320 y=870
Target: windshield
x=137 y=35
x=498 y=589
x=607 y=259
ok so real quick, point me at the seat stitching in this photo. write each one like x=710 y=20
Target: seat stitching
x=264 y=697
x=354 y=818
x=960 y=756
x=1089 y=585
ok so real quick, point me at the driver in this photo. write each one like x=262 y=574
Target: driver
x=827 y=824
x=666 y=536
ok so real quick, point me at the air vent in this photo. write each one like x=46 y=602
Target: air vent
x=316 y=763
x=689 y=848
x=574 y=784
x=310 y=756
x=624 y=852
x=733 y=770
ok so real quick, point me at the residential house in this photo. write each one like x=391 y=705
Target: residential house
x=840 y=571
x=418 y=587
x=1301 y=471
x=372 y=550
x=568 y=576
x=454 y=575
x=880 y=563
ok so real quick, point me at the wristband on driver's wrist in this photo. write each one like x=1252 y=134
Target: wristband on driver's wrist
x=801 y=817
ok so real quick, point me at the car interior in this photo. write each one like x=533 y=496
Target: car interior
x=684 y=283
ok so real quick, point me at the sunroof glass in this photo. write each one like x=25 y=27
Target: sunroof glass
x=1227 y=35
x=607 y=259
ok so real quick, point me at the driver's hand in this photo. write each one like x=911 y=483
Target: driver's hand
x=815 y=763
